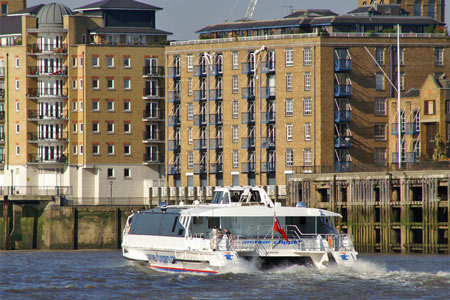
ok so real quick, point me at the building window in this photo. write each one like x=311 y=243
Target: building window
x=235 y=60
x=235 y=84
x=75 y=127
x=81 y=84
x=307 y=157
x=110 y=61
x=289 y=157
x=110 y=173
x=190 y=63
x=379 y=55
x=17 y=150
x=18 y=106
x=379 y=156
x=289 y=107
x=17 y=85
x=307 y=56
x=74 y=84
x=439 y=57
x=110 y=83
x=127 y=84
x=126 y=127
x=402 y=81
x=235 y=107
x=81 y=149
x=110 y=127
x=430 y=107
x=81 y=62
x=110 y=149
x=235 y=134
x=289 y=132
x=95 y=63
x=235 y=158
x=289 y=57
x=74 y=105
x=379 y=107
x=81 y=105
x=126 y=106
x=81 y=127
x=95 y=127
x=4 y=10
x=95 y=105
x=74 y=62
x=307 y=81
x=190 y=87
x=418 y=8
x=17 y=62
x=307 y=131
x=74 y=149
x=288 y=82
x=126 y=62
x=17 y=128
x=127 y=172
x=379 y=82
x=95 y=84
x=307 y=106
x=190 y=111
x=447 y=107
x=95 y=149
x=110 y=105
x=190 y=160
x=127 y=149
x=379 y=132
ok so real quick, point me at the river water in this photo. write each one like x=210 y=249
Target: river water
x=106 y=275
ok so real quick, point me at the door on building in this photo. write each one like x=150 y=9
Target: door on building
x=431 y=130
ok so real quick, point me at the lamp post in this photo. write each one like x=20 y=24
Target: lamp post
x=110 y=191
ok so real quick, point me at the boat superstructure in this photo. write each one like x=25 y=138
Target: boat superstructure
x=192 y=238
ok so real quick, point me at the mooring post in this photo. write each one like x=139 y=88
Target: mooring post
x=5 y=223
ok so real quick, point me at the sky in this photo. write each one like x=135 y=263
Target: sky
x=184 y=17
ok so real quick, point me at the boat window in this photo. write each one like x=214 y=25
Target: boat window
x=226 y=198
x=175 y=221
x=235 y=196
x=217 y=198
x=213 y=222
x=255 y=197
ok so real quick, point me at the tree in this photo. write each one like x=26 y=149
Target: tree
x=439 y=149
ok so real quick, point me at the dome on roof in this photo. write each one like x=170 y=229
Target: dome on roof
x=52 y=15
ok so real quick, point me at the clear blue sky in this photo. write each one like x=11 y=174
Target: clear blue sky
x=184 y=17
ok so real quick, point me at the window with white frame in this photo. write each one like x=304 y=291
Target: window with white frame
x=81 y=149
x=81 y=84
x=289 y=132
x=235 y=60
x=307 y=53
x=95 y=127
x=379 y=106
x=127 y=84
x=379 y=55
x=110 y=83
x=235 y=84
x=235 y=107
x=307 y=131
x=110 y=61
x=95 y=63
x=110 y=149
x=17 y=84
x=439 y=57
x=95 y=84
x=127 y=173
x=190 y=62
x=288 y=82
x=17 y=62
x=74 y=84
x=126 y=62
x=379 y=156
x=190 y=111
x=126 y=127
x=307 y=106
x=17 y=128
x=17 y=150
x=289 y=107
x=74 y=127
x=379 y=82
x=95 y=105
x=74 y=149
x=307 y=157
x=235 y=133
x=74 y=105
x=190 y=160
x=110 y=172
x=81 y=128
x=289 y=57
x=190 y=135
x=126 y=106
x=307 y=81
x=189 y=86
x=110 y=105
x=74 y=62
x=235 y=158
x=127 y=149
x=379 y=132
x=110 y=127
x=289 y=157
x=95 y=149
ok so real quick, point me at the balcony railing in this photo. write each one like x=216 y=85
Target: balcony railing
x=174 y=169
x=35 y=115
x=47 y=159
x=342 y=116
x=174 y=121
x=342 y=65
x=343 y=141
x=152 y=136
x=173 y=72
x=50 y=71
x=200 y=120
x=216 y=69
x=200 y=144
x=342 y=91
x=215 y=119
x=247 y=68
x=216 y=94
x=173 y=145
x=2 y=72
x=268 y=92
x=174 y=97
x=47 y=48
x=215 y=144
x=248 y=167
x=153 y=115
x=412 y=128
x=153 y=71
x=248 y=93
x=200 y=168
x=154 y=93
x=2 y=137
x=2 y=115
x=268 y=167
x=152 y=158
x=408 y=157
x=268 y=117
x=2 y=94
x=47 y=92
x=200 y=70
x=248 y=117
x=216 y=168
x=49 y=136
x=268 y=66
x=2 y=158
x=343 y=166
x=268 y=142
x=248 y=143
x=200 y=95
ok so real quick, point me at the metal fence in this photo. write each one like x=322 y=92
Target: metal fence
x=36 y=190
x=105 y=201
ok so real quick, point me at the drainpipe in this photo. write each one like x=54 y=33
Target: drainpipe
x=314 y=103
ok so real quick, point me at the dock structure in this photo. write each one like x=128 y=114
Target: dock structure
x=386 y=212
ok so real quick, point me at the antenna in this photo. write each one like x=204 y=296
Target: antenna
x=250 y=9
x=291 y=7
x=232 y=9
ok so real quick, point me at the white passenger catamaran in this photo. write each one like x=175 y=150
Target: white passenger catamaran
x=189 y=238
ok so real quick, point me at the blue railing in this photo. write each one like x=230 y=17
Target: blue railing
x=342 y=116
x=342 y=65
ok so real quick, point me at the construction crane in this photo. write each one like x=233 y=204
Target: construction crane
x=250 y=9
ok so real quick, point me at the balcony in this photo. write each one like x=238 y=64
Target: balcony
x=200 y=120
x=216 y=168
x=248 y=143
x=151 y=158
x=200 y=144
x=2 y=72
x=200 y=95
x=174 y=169
x=173 y=145
x=268 y=167
x=215 y=119
x=342 y=91
x=408 y=157
x=200 y=168
x=216 y=70
x=2 y=137
x=248 y=167
x=216 y=94
x=268 y=66
x=268 y=142
x=342 y=65
x=216 y=144
x=343 y=141
x=153 y=71
x=153 y=93
x=173 y=72
x=2 y=94
x=248 y=93
x=248 y=118
x=412 y=128
x=49 y=158
x=268 y=92
x=152 y=137
x=174 y=97
x=343 y=166
x=35 y=115
x=247 y=68
x=46 y=49
x=342 y=116
x=50 y=72
x=153 y=115
x=174 y=121
x=47 y=93
x=48 y=136
x=2 y=159
x=268 y=117
x=2 y=115
x=200 y=70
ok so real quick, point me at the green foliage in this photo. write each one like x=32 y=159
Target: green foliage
x=429 y=29
x=439 y=149
x=389 y=30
